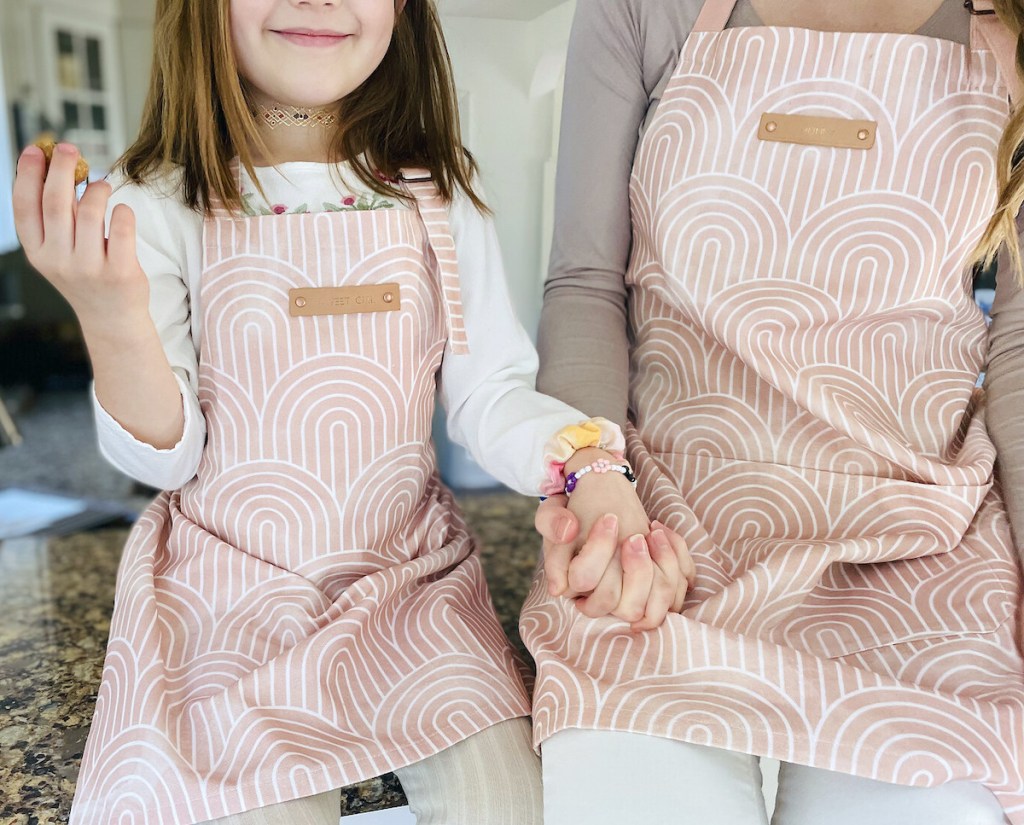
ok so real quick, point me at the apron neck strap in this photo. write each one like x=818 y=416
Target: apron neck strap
x=217 y=208
x=434 y=214
x=714 y=14
x=989 y=34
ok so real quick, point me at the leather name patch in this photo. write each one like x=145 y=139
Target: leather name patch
x=343 y=300
x=839 y=132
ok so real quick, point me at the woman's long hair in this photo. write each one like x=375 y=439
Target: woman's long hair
x=198 y=116
x=1002 y=227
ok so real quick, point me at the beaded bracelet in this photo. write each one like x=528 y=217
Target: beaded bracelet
x=602 y=465
x=594 y=432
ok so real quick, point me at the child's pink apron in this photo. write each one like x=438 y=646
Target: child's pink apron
x=310 y=610
x=805 y=354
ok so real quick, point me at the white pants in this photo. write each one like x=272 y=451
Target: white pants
x=491 y=778
x=609 y=778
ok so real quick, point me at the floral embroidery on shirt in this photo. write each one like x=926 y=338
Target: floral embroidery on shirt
x=252 y=208
x=363 y=203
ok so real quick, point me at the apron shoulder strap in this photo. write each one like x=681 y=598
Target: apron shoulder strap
x=434 y=214
x=217 y=209
x=989 y=34
x=714 y=14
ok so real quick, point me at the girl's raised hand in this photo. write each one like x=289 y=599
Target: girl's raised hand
x=65 y=239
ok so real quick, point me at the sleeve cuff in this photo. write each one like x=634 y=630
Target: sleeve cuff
x=595 y=432
x=166 y=469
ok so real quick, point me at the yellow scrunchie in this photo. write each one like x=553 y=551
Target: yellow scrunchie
x=597 y=432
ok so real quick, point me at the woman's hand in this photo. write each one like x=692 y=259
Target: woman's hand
x=65 y=240
x=639 y=579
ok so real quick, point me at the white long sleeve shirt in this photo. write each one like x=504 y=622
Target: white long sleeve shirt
x=492 y=408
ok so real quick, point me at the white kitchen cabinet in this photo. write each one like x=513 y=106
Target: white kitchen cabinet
x=81 y=90
x=63 y=69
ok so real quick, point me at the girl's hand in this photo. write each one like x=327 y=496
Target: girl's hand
x=65 y=239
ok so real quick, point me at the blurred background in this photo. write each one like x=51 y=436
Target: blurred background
x=80 y=69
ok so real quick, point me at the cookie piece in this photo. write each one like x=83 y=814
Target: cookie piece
x=48 y=144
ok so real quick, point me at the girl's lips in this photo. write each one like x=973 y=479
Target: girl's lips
x=311 y=38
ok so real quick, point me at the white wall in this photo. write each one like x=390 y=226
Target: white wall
x=135 y=36
x=510 y=71
x=511 y=132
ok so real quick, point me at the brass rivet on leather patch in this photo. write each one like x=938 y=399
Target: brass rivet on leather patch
x=815 y=130
x=344 y=300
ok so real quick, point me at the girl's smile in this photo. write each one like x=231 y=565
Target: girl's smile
x=320 y=38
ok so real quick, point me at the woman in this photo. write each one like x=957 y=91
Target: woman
x=793 y=229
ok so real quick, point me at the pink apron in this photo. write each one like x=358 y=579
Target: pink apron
x=310 y=610
x=803 y=406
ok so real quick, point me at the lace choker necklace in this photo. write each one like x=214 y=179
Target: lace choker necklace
x=278 y=115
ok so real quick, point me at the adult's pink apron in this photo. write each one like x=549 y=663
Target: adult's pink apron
x=805 y=350
x=310 y=610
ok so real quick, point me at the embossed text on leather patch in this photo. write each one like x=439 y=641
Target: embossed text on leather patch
x=343 y=300
x=813 y=130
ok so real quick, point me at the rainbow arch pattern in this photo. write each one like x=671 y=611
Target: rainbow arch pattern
x=803 y=404
x=309 y=611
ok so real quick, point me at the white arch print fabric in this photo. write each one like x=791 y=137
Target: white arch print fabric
x=310 y=611
x=804 y=363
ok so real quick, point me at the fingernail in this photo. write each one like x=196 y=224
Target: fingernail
x=610 y=522
x=656 y=524
x=67 y=149
x=659 y=537
x=31 y=151
x=562 y=528
x=637 y=543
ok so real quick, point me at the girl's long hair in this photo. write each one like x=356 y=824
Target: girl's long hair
x=198 y=116
x=1002 y=227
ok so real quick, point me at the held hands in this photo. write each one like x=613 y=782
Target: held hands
x=627 y=567
x=65 y=240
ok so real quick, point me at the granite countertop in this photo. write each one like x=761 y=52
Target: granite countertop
x=57 y=596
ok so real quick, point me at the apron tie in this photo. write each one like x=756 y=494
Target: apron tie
x=434 y=214
x=988 y=32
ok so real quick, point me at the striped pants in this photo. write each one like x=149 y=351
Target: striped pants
x=491 y=778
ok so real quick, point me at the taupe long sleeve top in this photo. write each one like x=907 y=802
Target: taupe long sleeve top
x=622 y=54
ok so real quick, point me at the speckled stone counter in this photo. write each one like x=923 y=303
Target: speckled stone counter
x=56 y=598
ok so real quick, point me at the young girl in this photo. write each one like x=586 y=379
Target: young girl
x=304 y=608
